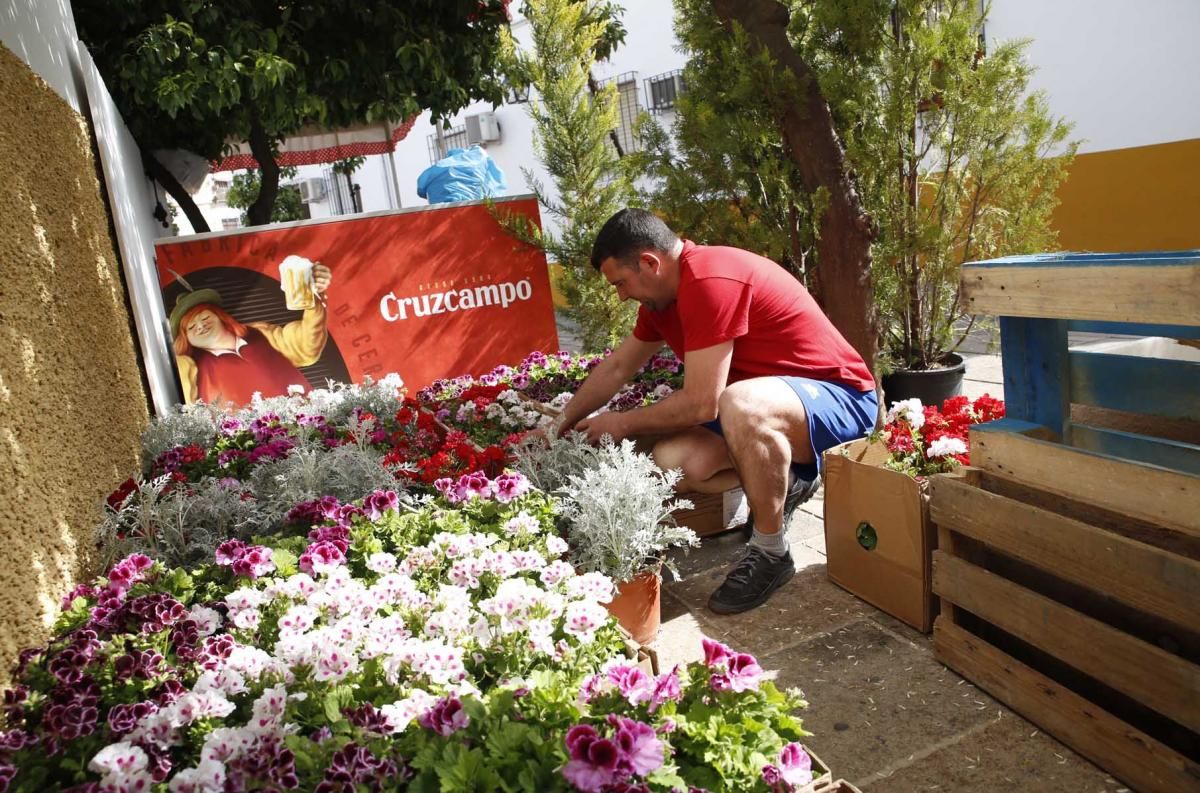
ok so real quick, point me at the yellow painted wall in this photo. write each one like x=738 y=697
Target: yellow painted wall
x=72 y=403
x=1136 y=199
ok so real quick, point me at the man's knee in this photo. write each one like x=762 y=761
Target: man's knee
x=681 y=451
x=738 y=406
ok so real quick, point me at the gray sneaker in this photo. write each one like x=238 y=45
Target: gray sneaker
x=751 y=583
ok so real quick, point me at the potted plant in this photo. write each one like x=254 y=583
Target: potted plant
x=970 y=176
x=878 y=537
x=616 y=517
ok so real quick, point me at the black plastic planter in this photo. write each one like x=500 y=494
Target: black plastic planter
x=931 y=386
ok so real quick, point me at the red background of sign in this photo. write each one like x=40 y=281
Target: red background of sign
x=408 y=253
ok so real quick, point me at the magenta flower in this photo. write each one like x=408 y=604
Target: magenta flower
x=321 y=557
x=379 y=502
x=666 y=689
x=470 y=485
x=793 y=771
x=593 y=763
x=446 y=717
x=128 y=572
x=715 y=652
x=445 y=486
x=641 y=751
x=510 y=486
x=229 y=552
x=254 y=562
x=632 y=682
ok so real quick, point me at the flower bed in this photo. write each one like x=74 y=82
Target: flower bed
x=304 y=601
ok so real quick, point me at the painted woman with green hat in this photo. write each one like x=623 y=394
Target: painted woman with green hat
x=223 y=360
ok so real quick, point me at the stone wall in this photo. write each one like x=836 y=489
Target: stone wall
x=72 y=401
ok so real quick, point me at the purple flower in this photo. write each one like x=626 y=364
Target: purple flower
x=593 y=763
x=510 y=486
x=81 y=591
x=795 y=765
x=320 y=557
x=470 y=485
x=641 y=751
x=666 y=689
x=445 y=486
x=129 y=571
x=715 y=652
x=520 y=381
x=308 y=513
x=230 y=427
x=254 y=562
x=229 y=552
x=379 y=502
x=632 y=682
x=446 y=717
x=338 y=535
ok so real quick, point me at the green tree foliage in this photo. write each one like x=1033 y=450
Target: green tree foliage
x=723 y=174
x=243 y=192
x=963 y=164
x=572 y=127
x=977 y=177
x=197 y=74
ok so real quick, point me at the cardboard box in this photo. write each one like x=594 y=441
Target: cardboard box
x=714 y=513
x=878 y=537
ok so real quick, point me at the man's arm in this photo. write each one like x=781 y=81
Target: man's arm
x=301 y=341
x=705 y=375
x=607 y=378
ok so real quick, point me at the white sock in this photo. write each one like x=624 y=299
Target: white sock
x=775 y=544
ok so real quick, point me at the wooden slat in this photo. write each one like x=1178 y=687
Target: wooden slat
x=1165 y=683
x=1147 y=578
x=1175 y=455
x=1128 y=753
x=1136 y=384
x=1036 y=372
x=1160 y=496
x=1162 y=291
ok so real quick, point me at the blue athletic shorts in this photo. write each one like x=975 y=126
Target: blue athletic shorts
x=836 y=413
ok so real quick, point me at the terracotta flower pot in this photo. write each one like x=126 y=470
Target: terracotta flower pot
x=638 y=606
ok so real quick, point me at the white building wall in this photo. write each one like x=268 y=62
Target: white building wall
x=42 y=33
x=649 y=50
x=1126 y=73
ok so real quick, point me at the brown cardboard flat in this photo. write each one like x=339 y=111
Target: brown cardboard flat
x=895 y=575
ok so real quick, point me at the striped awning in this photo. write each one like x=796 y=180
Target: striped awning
x=315 y=145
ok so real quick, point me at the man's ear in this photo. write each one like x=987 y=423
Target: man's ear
x=651 y=260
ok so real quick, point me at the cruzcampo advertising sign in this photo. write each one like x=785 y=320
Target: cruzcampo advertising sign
x=425 y=293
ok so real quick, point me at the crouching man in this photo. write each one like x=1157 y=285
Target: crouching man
x=769 y=383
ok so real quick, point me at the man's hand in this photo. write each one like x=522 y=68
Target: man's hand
x=322 y=277
x=610 y=423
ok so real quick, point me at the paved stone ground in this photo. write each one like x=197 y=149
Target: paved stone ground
x=884 y=713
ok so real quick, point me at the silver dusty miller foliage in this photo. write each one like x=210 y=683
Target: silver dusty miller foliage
x=618 y=513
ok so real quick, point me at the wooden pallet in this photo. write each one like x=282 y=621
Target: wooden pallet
x=1069 y=562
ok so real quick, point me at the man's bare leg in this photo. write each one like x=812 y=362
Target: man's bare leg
x=702 y=456
x=766 y=429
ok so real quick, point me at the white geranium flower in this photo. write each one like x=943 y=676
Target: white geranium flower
x=910 y=410
x=943 y=447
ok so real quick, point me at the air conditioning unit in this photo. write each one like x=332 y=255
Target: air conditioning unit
x=311 y=190
x=482 y=128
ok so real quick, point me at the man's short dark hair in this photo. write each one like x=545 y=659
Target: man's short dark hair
x=629 y=233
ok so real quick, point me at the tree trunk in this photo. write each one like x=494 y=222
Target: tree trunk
x=259 y=213
x=159 y=173
x=843 y=274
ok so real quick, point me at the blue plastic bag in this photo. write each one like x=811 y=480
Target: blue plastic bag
x=462 y=175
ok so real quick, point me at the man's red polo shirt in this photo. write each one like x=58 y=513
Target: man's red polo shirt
x=728 y=294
